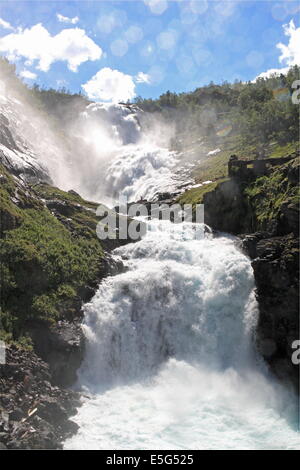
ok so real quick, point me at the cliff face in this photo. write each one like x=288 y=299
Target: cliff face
x=225 y=207
x=51 y=263
x=276 y=271
x=34 y=413
x=266 y=208
x=246 y=203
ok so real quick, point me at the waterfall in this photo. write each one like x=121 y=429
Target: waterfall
x=170 y=357
x=103 y=152
x=170 y=361
x=122 y=151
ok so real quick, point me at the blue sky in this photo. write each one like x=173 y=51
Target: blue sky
x=145 y=48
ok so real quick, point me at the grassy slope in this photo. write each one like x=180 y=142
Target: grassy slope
x=266 y=194
x=195 y=195
x=44 y=261
x=214 y=167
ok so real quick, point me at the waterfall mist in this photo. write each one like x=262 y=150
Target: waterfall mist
x=99 y=150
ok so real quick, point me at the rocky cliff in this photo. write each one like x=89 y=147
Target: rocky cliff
x=51 y=263
x=266 y=209
x=34 y=413
x=276 y=271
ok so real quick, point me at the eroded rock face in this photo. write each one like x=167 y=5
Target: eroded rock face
x=275 y=255
x=224 y=207
x=288 y=218
x=21 y=139
x=276 y=271
x=34 y=414
x=62 y=347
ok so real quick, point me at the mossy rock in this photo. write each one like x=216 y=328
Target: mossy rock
x=45 y=262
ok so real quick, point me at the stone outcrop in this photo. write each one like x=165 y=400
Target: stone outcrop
x=276 y=272
x=34 y=413
x=249 y=169
x=62 y=347
x=224 y=207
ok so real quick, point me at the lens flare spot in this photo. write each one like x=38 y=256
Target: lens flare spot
x=224 y=130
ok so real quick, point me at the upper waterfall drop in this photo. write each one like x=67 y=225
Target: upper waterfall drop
x=126 y=153
x=103 y=151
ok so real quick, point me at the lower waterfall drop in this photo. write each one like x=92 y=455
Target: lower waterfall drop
x=170 y=361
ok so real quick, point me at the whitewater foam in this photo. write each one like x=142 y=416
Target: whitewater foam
x=170 y=361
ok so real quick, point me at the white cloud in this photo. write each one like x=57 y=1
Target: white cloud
x=142 y=77
x=113 y=85
x=270 y=72
x=66 y=19
x=5 y=24
x=290 y=53
x=27 y=74
x=110 y=85
x=36 y=43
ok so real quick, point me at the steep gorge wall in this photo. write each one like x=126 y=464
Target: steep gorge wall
x=266 y=211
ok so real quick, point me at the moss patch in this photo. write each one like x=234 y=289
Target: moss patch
x=266 y=195
x=44 y=262
x=195 y=195
x=47 y=191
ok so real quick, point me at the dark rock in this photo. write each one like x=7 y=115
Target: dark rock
x=293 y=172
x=52 y=411
x=35 y=416
x=71 y=191
x=86 y=293
x=224 y=207
x=276 y=272
x=249 y=242
x=62 y=347
x=288 y=218
x=16 y=415
x=62 y=207
x=3 y=179
x=70 y=428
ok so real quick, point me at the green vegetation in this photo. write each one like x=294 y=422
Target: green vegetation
x=266 y=195
x=195 y=195
x=44 y=259
x=57 y=106
x=259 y=111
x=282 y=150
x=246 y=119
x=46 y=191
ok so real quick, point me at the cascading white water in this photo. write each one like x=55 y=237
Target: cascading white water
x=170 y=362
x=103 y=152
x=127 y=155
